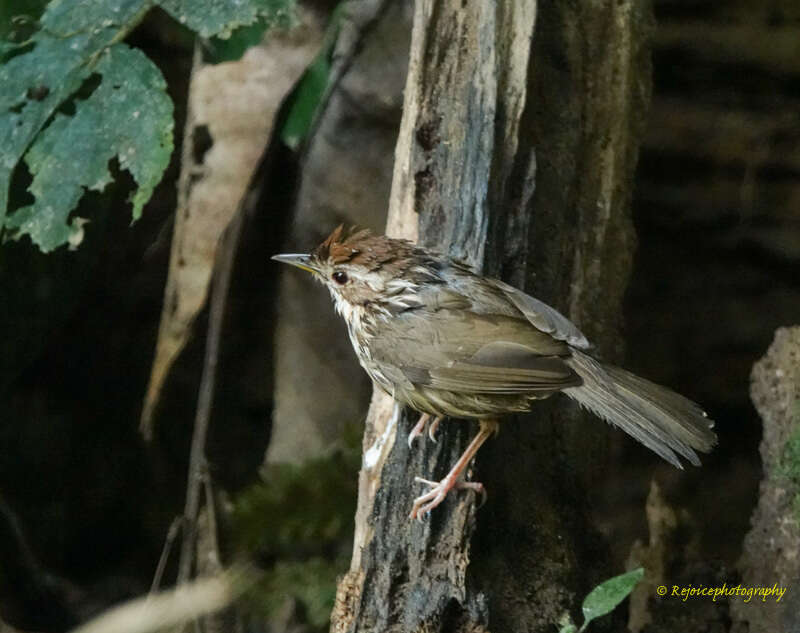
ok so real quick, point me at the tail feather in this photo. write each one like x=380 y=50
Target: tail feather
x=664 y=421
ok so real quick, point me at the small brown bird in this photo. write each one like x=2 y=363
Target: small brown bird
x=451 y=343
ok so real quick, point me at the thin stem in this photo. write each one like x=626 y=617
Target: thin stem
x=197 y=458
x=172 y=534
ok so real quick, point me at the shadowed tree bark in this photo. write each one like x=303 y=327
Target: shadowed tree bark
x=519 y=138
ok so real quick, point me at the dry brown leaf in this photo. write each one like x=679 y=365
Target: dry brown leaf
x=237 y=103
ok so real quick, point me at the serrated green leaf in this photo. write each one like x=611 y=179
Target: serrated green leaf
x=129 y=116
x=221 y=17
x=65 y=18
x=607 y=595
x=63 y=52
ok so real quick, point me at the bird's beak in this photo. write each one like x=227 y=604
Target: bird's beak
x=296 y=259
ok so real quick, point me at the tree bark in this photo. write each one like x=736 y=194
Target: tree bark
x=770 y=556
x=519 y=138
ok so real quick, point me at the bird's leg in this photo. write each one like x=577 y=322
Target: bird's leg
x=432 y=428
x=427 y=502
x=419 y=428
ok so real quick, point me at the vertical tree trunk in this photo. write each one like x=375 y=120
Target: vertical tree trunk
x=516 y=151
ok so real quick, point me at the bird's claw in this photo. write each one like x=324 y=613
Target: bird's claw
x=432 y=429
x=439 y=491
x=419 y=428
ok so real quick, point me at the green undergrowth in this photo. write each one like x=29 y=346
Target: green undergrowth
x=298 y=523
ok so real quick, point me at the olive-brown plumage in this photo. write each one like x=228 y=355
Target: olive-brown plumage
x=450 y=343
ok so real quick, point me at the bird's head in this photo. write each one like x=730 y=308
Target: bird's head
x=361 y=269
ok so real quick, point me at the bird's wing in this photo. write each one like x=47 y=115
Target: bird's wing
x=462 y=351
x=543 y=317
x=504 y=368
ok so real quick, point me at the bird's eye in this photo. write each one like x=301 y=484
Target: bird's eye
x=340 y=277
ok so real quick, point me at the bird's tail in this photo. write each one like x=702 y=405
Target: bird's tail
x=664 y=421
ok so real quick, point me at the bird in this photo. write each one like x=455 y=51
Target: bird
x=449 y=342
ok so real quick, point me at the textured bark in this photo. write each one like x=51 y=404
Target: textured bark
x=772 y=548
x=516 y=152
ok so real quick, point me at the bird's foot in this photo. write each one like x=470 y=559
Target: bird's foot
x=454 y=479
x=419 y=428
x=439 y=491
x=432 y=428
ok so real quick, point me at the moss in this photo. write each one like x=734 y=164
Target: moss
x=789 y=464
x=298 y=521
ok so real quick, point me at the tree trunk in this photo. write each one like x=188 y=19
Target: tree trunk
x=770 y=556
x=516 y=150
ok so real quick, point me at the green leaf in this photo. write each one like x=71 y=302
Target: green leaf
x=7 y=47
x=310 y=90
x=62 y=55
x=304 y=102
x=66 y=18
x=234 y=47
x=221 y=17
x=129 y=116
x=606 y=596
x=565 y=625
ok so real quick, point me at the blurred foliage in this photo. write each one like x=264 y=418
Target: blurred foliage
x=230 y=49
x=18 y=19
x=305 y=101
x=298 y=508
x=603 y=599
x=299 y=522
x=69 y=52
x=311 y=582
x=307 y=97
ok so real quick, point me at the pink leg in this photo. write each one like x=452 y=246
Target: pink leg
x=476 y=486
x=439 y=490
x=418 y=429
x=432 y=428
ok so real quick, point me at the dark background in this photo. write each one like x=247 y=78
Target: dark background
x=85 y=503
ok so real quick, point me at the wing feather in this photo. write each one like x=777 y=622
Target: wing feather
x=544 y=317
x=533 y=374
x=507 y=343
